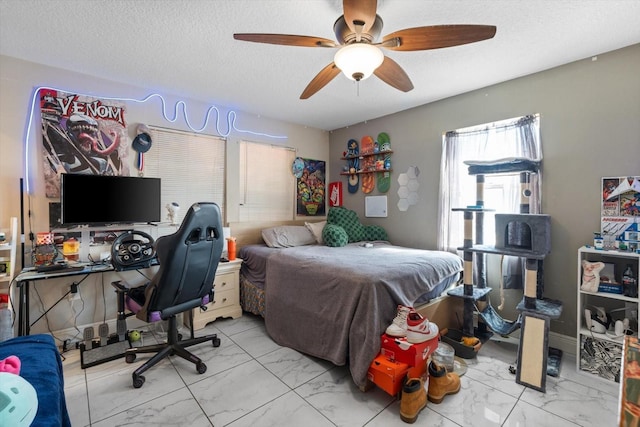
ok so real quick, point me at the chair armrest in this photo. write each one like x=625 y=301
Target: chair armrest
x=119 y=286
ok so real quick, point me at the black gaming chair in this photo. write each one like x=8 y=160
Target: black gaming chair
x=188 y=261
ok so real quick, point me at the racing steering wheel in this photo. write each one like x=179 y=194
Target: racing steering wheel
x=128 y=251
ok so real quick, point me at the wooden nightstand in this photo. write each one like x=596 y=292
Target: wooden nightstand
x=226 y=298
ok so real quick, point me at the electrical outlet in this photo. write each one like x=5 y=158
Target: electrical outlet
x=74 y=292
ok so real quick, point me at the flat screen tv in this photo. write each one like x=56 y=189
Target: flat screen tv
x=103 y=200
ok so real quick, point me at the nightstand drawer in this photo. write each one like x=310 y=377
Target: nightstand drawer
x=225 y=282
x=223 y=299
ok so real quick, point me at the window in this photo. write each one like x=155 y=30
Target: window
x=496 y=189
x=510 y=138
x=191 y=166
x=267 y=186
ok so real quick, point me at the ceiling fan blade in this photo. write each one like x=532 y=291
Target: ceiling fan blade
x=285 y=39
x=392 y=74
x=437 y=36
x=327 y=74
x=360 y=11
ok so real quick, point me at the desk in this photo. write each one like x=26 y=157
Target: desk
x=29 y=275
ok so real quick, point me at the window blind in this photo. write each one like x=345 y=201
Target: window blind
x=191 y=167
x=267 y=186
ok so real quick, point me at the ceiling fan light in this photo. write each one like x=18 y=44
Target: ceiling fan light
x=358 y=60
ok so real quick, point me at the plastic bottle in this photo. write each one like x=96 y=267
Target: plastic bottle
x=629 y=282
x=598 y=241
x=231 y=248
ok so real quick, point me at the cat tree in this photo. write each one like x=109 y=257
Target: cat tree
x=523 y=235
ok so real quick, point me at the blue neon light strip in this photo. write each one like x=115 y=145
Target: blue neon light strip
x=231 y=120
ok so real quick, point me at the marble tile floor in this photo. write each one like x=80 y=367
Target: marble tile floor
x=252 y=381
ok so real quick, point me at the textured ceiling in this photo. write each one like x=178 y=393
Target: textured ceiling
x=186 y=48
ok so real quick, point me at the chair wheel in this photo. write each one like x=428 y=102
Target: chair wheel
x=216 y=342
x=138 y=381
x=130 y=358
x=201 y=368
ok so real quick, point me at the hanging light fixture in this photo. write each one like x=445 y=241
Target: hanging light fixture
x=358 y=60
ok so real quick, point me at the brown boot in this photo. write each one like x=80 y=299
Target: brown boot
x=441 y=382
x=414 y=399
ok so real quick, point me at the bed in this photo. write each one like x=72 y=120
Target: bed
x=335 y=302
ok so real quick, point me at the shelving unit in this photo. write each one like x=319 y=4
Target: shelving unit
x=8 y=260
x=8 y=254
x=600 y=354
x=377 y=156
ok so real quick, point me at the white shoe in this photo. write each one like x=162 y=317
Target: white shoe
x=419 y=329
x=398 y=328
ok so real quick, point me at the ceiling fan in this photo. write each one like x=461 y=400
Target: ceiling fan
x=357 y=31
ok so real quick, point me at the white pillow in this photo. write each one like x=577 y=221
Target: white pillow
x=287 y=236
x=316 y=229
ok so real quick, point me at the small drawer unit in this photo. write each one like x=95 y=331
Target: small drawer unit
x=226 y=297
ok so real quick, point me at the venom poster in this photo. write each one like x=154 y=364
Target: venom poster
x=81 y=134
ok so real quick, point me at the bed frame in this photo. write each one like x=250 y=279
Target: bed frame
x=446 y=312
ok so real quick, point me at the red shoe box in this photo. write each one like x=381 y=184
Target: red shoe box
x=417 y=371
x=387 y=374
x=401 y=350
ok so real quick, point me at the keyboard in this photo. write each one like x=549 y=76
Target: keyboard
x=57 y=268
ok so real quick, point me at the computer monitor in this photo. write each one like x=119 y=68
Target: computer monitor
x=104 y=200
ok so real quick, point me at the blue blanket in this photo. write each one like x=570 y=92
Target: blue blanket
x=41 y=366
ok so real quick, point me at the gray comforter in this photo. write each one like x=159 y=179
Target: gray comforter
x=334 y=303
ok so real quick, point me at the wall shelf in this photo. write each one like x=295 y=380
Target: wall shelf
x=361 y=156
x=365 y=172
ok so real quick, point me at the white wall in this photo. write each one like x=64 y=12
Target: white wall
x=19 y=79
x=590 y=128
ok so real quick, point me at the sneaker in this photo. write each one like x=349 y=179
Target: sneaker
x=398 y=328
x=419 y=329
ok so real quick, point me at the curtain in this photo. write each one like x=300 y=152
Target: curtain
x=510 y=138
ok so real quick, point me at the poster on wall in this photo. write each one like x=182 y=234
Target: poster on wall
x=81 y=134
x=610 y=207
x=310 y=200
x=620 y=211
x=335 y=193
